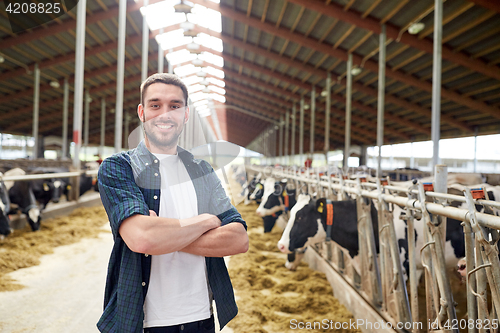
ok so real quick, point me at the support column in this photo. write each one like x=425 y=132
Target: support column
x=436 y=81
x=348 y=102
x=86 y=126
x=170 y=67
x=161 y=55
x=120 y=75
x=475 y=149
x=287 y=136
x=126 y=129
x=294 y=119
x=36 y=111
x=281 y=137
x=103 y=127
x=381 y=99
x=328 y=104
x=65 y=120
x=301 y=132
x=313 y=119
x=79 y=76
x=145 y=45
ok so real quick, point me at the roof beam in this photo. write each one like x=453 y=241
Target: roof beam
x=323 y=74
x=55 y=28
x=342 y=54
x=492 y=5
x=372 y=24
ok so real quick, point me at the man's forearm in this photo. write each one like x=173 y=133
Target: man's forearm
x=156 y=235
x=223 y=241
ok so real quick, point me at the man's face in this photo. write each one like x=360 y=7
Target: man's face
x=164 y=114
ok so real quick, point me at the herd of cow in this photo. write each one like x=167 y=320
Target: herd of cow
x=32 y=196
x=304 y=219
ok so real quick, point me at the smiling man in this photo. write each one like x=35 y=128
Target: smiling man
x=172 y=223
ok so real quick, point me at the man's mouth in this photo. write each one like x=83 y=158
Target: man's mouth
x=164 y=126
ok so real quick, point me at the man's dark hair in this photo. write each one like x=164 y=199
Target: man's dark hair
x=165 y=78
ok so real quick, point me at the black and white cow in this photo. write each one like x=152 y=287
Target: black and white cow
x=252 y=186
x=277 y=198
x=47 y=190
x=308 y=225
x=21 y=194
x=5 y=228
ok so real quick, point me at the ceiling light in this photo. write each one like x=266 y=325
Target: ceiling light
x=193 y=46
x=201 y=74
x=54 y=84
x=89 y=99
x=186 y=26
x=204 y=82
x=197 y=62
x=323 y=93
x=306 y=107
x=182 y=8
x=190 y=33
x=206 y=90
x=355 y=70
x=415 y=28
x=2 y=59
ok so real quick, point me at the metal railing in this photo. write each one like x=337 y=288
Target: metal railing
x=390 y=295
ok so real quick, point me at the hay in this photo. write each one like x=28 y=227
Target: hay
x=24 y=248
x=269 y=296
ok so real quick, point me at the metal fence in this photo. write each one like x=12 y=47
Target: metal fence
x=380 y=279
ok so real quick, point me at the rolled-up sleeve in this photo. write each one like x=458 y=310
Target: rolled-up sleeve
x=120 y=195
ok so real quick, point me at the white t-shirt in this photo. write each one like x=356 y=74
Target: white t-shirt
x=178 y=289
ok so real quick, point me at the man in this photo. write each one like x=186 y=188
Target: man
x=172 y=223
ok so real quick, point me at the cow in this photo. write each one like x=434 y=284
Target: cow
x=21 y=194
x=308 y=225
x=250 y=187
x=47 y=190
x=5 y=228
x=277 y=198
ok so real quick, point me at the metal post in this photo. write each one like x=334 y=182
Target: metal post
x=120 y=75
x=313 y=119
x=301 y=131
x=287 y=135
x=475 y=148
x=294 y=118
x=103 y=126
x=161 y=55
x=65 y=120
x=441 y=186
x=79 y=76
x=170 y=67
x=145 y=45
x=348 y=102
x=327 y=116
x=381 y=99
x=281 y=137
x=412 y=157
x=86 y=126
x=436 y=80
x=126 y=129
x=36 y=110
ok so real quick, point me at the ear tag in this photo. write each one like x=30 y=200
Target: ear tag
x=284 y=193
x=259 y=186
x=68 y=187
x=320 y=208
x=45 y=187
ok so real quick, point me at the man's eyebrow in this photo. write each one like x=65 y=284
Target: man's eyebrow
x=180 y=101
x=153 y=100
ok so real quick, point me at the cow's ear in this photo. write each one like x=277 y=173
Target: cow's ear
x=45 y=187
x=320 y=205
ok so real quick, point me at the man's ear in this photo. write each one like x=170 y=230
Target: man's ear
x=186 y=115
x=140 y=112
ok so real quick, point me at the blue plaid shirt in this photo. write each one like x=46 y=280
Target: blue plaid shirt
x=129 y=184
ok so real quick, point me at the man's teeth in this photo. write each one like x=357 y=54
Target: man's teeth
x=165 y=126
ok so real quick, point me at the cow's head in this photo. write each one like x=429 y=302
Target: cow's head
x=34 y=218
x=298 y=212
x=58 y=190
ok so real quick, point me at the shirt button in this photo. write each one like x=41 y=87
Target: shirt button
x=144 y=284
x=156 y=174
x=155 y=197
x=146 y=255
x=147 y=163
x=182 y=327
x=156 y=161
